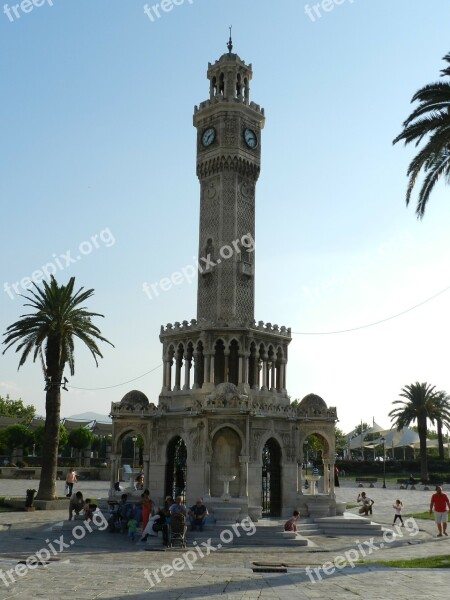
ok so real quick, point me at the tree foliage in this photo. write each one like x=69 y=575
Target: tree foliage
x=17 y=409
x=430 y=120
x=17 y=436
x=81 y=438
x=39 y=434
x=48 y=335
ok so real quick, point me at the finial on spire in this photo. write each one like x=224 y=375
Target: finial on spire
x=230 y=41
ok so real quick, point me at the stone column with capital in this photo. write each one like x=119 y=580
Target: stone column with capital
x=264 y=373
x=187 y=372
x=114 y=471
x=243 y=461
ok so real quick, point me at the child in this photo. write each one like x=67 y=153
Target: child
x=398 y=511
x=290 y=524
x=132 y=527
x=89 y=509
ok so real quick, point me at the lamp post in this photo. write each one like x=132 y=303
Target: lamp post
x=384 y=462
x=134 y=440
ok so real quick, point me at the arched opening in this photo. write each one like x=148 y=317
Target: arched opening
x=233 y=363
x=222 y=84
x=225 y=461
x=271 y=479
x=176 y=468
x=199 y=366
x=219 y=362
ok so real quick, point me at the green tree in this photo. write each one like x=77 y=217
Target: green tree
x=81 y=438
x=419 y=405
x=16 y=408
x=442 y=409
x=340 y=440
x=17 y=436
x=431 y=120
x=48 y=334
x=39 y=434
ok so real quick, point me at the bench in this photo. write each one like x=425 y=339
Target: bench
x=361 y=480
x=24 y=473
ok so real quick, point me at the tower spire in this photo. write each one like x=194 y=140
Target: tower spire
x=230 y=41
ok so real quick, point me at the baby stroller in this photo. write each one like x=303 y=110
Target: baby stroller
x=177 y=530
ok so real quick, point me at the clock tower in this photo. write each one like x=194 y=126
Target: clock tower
x=224 y=428
x=228 y=165
x=224 y=345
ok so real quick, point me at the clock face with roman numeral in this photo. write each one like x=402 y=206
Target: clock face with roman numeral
x=250 y=138
x=208 y=136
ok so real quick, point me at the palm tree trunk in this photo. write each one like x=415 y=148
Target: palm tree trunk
x=47 y=483
x=422 y=431
x=440 y=439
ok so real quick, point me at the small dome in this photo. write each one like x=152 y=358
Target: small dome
x=312 y=402
x=135 y=398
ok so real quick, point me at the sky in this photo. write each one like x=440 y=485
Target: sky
x=97 y=155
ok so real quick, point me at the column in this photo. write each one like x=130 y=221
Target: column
x=187 y=372
x=197 y=358
x=178 y=365
x=168 y=374
x=272 y=376
x=207 y=367
x=211 y=376
x=208 y=478
x=264 y=373
x=114 y=474
x=243 y=488
x=241 y=369
x=332 y=466
x=256 y=371
x=283 y=374
x=326 y=476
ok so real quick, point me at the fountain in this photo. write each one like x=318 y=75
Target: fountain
x=224 y=512
x=226 y=486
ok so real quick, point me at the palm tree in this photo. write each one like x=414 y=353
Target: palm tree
x=431 y=118
x=419 y=406
x=48 y=333
x=442 y=410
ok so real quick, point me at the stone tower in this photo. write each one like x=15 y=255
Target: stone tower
x=224 y=344
x=224 y=428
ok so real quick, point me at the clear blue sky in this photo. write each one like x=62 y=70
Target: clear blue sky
x=96 y=138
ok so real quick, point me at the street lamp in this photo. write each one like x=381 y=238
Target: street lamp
x=134 y=440
x=384 y=462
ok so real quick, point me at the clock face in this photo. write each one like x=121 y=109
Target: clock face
x=250 y=138
x=208 y=136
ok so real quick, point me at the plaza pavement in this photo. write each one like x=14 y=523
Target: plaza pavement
x=108 y=566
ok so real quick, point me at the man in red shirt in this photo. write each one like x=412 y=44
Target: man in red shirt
x=441 y=506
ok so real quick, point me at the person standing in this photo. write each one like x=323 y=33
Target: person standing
x=441 y=505
x=398 y=506
x=71 y=478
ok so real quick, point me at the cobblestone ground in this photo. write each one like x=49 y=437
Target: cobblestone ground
x=84 y=565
